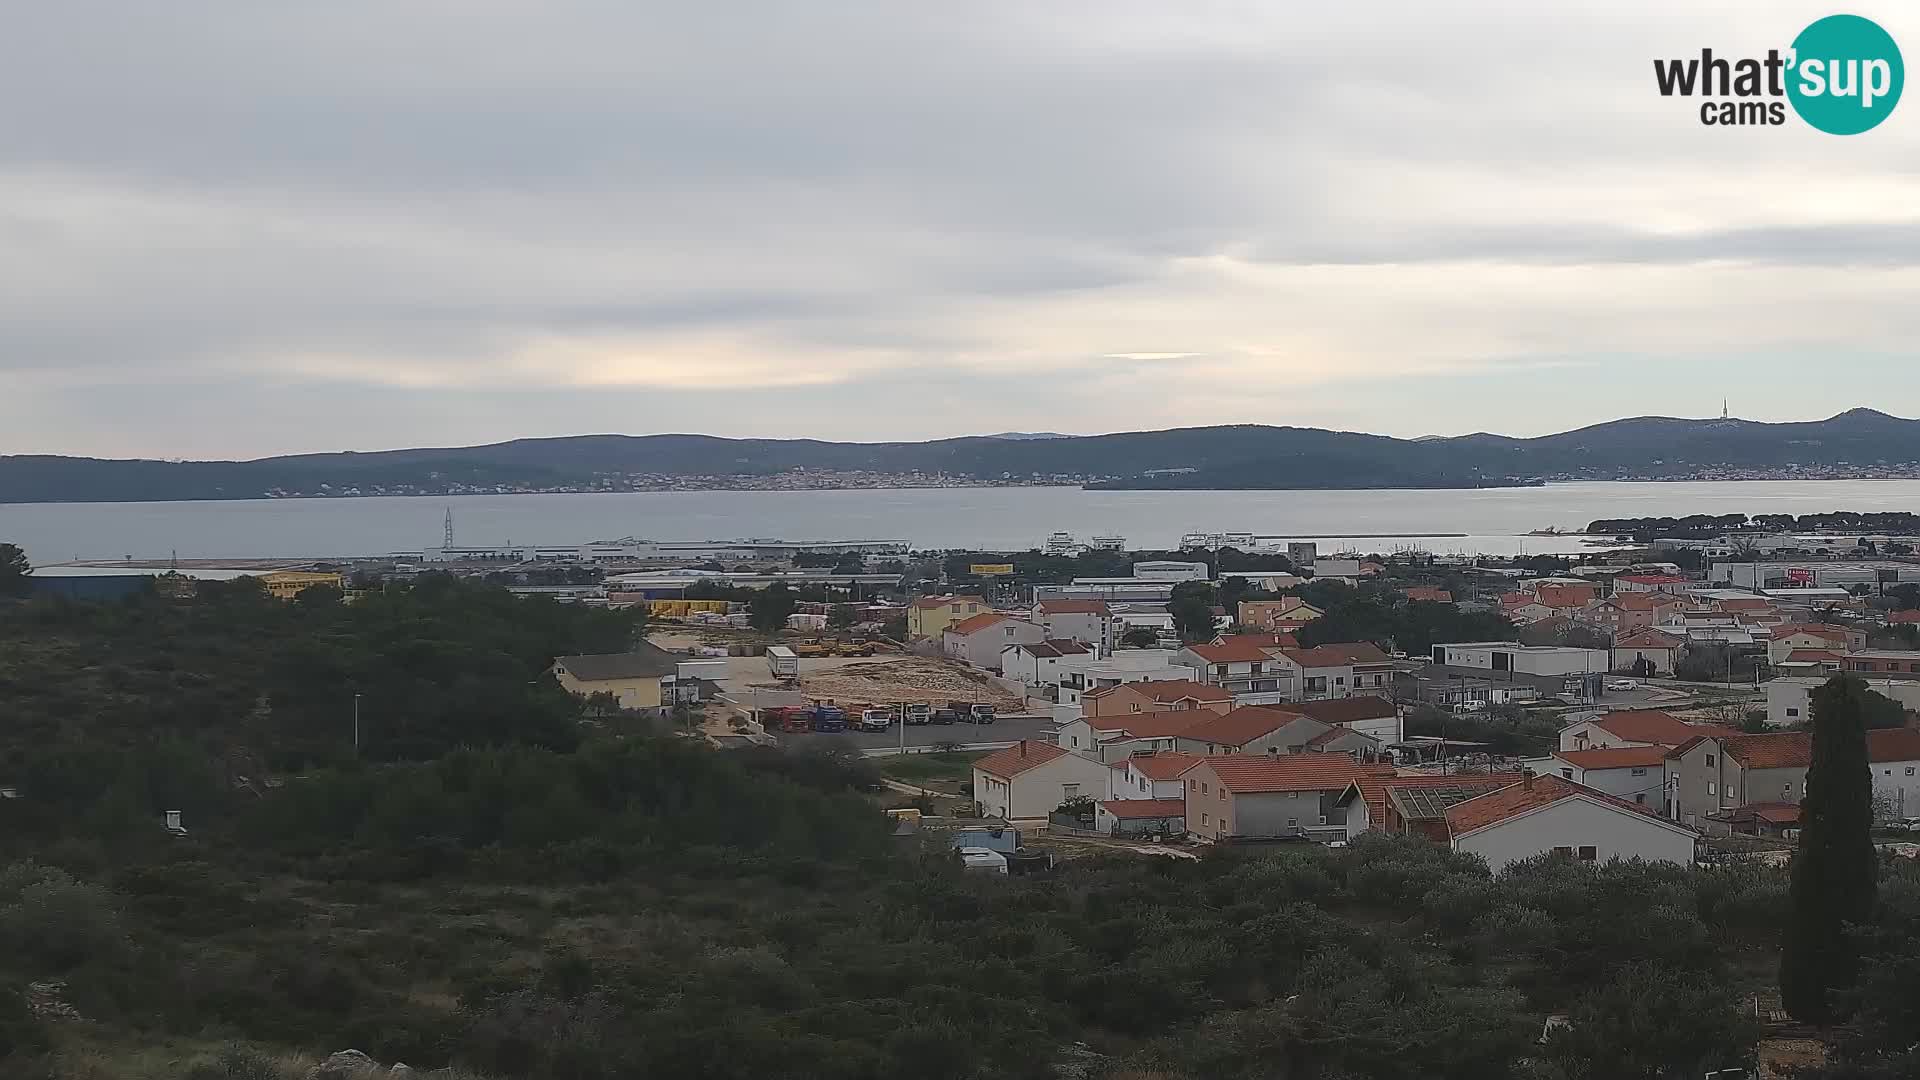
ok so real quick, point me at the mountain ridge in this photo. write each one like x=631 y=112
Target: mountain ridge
x=1219 y=457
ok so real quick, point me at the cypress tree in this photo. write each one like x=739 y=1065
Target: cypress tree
x=1834 y=867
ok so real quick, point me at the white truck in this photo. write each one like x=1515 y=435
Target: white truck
x=782 y=662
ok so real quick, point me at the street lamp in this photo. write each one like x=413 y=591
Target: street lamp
x=356 y=724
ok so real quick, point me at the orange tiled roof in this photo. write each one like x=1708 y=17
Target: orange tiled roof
x=1166 y=765
x=1770 y=750
x=1241 y=726
x=1427 y=594
x=1531 y=794
x=1245 y=774
x=1615 y=757
x=1337 y=655
x=1230 y=651
x=1018 y=758
x=1893 y=744
x=929 y=602
x=1342 y=710
x=1151 y=725
x=1654 y=726
x=975 y=623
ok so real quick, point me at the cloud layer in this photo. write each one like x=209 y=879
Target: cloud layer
x=234 y=229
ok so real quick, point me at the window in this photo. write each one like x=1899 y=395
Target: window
x=1203 y=819
x=1909 y=770
x=1068 y=791
x=1223 y=794
x=1709 y=761
x=1293 y=823
x=1193 y=785
x=1203 y=789
x=1710 y=789
x=1568 y=773
x=1638 y=772
x=1786 y=788
x=1136 y=706
x=1640 y=797
x=1589 y=853
x=1563 y=851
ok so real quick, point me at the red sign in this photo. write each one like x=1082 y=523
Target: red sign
x=1800 y=575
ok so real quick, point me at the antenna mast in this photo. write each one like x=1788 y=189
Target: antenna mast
x=446 y=540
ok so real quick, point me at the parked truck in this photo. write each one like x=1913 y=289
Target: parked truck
x=917 y=713
x=971 y=712
x=782 y=662
x=788 y=718
x=829 y=718
x=876 y=719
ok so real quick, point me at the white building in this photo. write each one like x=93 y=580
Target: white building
x=1044 y=663
x=1150 y=776
x=1089 y=622
x=1542 y=814
x=1790 y=697
x=979 y=640
x=1634 y=773
x=1030 y=779
x=1123 y=666
x=1548 y=660
x=1169 y=570
x=1336 y=569
x=1893 y=757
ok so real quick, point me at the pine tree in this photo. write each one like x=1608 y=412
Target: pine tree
x=1834 y=868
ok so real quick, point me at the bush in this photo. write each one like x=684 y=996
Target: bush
x=50 y=922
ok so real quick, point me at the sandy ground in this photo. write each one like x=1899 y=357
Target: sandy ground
x=908 y=679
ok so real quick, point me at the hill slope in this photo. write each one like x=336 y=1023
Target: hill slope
x=1226 y=457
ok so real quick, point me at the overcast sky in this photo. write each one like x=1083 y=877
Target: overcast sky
x=248 y=228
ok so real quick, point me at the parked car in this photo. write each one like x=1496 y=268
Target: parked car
x=1470 y=706
x=1623 y=684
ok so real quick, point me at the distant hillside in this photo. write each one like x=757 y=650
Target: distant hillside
x=1228 y=457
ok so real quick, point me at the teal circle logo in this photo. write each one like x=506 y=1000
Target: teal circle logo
x=1847 y=75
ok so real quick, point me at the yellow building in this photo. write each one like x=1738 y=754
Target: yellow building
x=287 y=584
x=929 y=616
x=634 y=679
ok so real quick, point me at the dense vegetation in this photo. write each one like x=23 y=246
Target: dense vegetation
x=1707 y=525
x=504 y=900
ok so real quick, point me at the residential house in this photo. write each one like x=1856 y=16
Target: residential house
x=1256 y=796
x=979 y=640
x=1820 y=637
x=1030 y=779
x=1114 y=738
x=1089 y=622
x=1565 y=597
x=1637 y=774
x=1424 y=594
x=1883 y=663
x=1711 y=774
x=1903 y=618
x=1044 y=663
x=1627 y=611
x=1271 y=730
x=1141 y=817
x=1633 y=727
x=1893 y=755
x=1773 y=820
x=1150 y=775
x=633 y=679
x=1540 y=814
x=1370 y=714
x=1264 y=614
x=1155 y=696
x=929 y=616
x=1413 y=804
x=1122 y=666
x=1672 y=584
x=1337 y=671
x=1647 y=651
x=1523 y=609
x=1241 y=667
x=287 y=584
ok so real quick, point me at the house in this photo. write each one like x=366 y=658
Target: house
x=1413 y=804
x=1370 y=714
x=1816 y=663
x=1141 y=817
x=1522 y=609
x=1240 y=666
x=1044 y=663
x=1114 y=738
x=1788 y=638
x=1672 y=584
x=1264 y=614
x=1423 y=594
x=1773 y=819
x=1711 y=774
x=978 y=640
x=287 y=584
x=1628 y=610
x=1903 y=618
x=1272 y=730
x=1883 y=663
x=1564 y=597
x=1633 y=727
x=1122 y=666
x=1337 y=671
x=1029 y=779
x=1540 y=814
x=1089 y=622
x=1154 y=696
x=1501 y=657
x=1149 y=775
x=1256 y=796
x=1893 y=756
x=1637 y=774
x=634 y=678
x=929 y=616
x=1647 y=652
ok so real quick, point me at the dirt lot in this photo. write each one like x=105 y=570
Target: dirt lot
x=908 y=679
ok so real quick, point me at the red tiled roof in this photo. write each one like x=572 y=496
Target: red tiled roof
x=1164 y=690
x=1812 y=656
x=1166 y=765
x=1531 y=794
x=1895 y=617
x=1260 y=641
x=1345 y=710
x=1654 y=726
x=1229 y=651
x=1151 y=725
x=1893 y=744
x=1241 y=726
x=1145 y=808
x=1770 y=750
x=1618 y=757
x=1374 y=789
x=975 y=623
x=1427 y=594
x=1245 y=774
x=1565 y=596
x=1018 y=758
x=1073 y=607
x=1337 y=655
x=1777 y=813
x=1332 y=734
x=1819 y=630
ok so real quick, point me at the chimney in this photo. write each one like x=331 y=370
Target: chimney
x=1526 y=779
x=1023 y=748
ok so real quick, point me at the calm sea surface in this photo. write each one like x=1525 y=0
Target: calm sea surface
x=1491 y=521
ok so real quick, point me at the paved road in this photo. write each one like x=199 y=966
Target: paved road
x=1005 y=730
